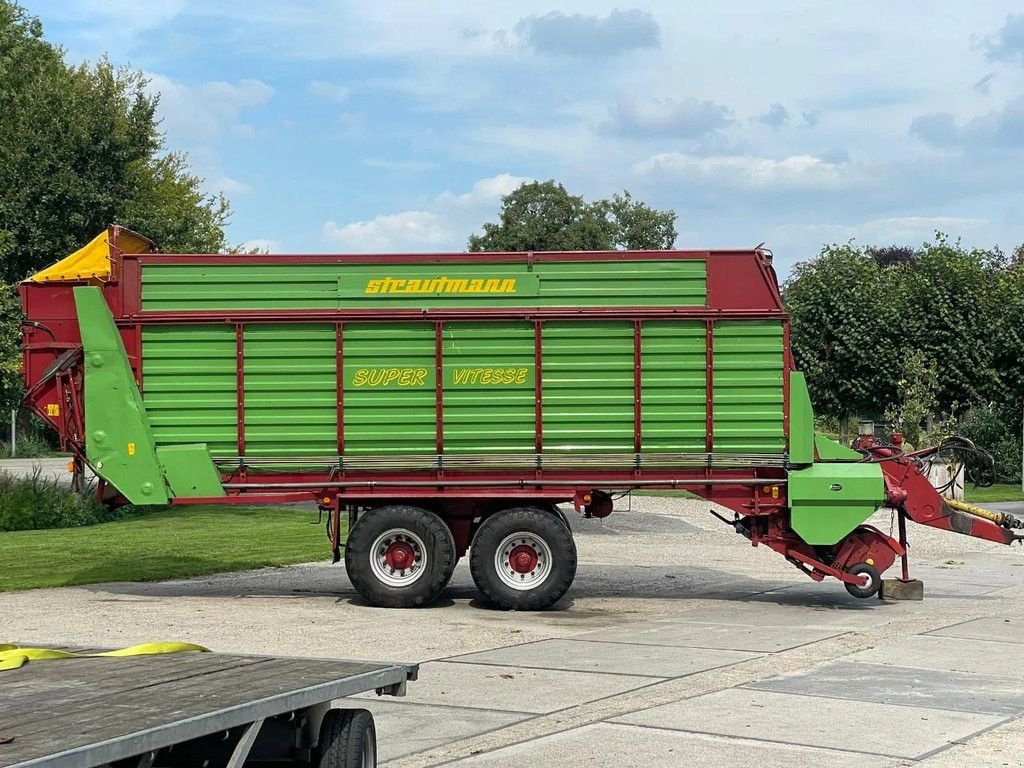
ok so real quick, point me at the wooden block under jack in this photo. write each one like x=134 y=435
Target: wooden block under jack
x=898 y=589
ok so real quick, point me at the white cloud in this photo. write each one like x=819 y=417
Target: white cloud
x=485 y=191
x=441 y=225
x=687 y=118
x=747 y=172
x=911 y=230
x=262 y=244
x=400 y=166
x=228 y=185
x=202 y=113
x=327 y=91
x=389 y=232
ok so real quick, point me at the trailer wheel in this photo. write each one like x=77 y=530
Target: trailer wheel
x=348 y=739
x=400 y=556
x=874 y=580
x=523 y=559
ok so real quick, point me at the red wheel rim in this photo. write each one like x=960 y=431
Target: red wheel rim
x=522 y=559
x=399 y=555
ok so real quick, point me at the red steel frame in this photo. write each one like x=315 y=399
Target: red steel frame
x=740 y=285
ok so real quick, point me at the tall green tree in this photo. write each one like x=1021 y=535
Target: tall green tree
x=80 y=148
x=543 y=216
x=935 y=332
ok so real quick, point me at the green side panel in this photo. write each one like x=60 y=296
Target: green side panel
x=588 y=386
x=119 y=444
x=189 y=471
x=390 y=398
x=827 y=501
x=290 y=390
x=677 y=282
x=190 y=383
x=489 y=388
x=748 y=396
x=830 y=449
x=801 y=420
x=674 y=386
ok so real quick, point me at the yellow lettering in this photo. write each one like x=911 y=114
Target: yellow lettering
x=359 y=379
x=373 y=286
x=476 y=286
x=406 y=378
x=491 y=286
x=421 y=375
x=508 y=286
x=508 y=376
x=521 y=376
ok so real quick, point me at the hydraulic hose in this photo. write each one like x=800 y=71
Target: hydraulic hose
x=1003 y=519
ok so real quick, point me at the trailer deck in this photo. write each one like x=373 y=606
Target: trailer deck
x=140 y=710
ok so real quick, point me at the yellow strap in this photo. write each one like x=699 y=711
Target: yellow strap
x=13 y=656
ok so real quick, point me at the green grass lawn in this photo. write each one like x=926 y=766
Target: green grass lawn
x=997 y=492
x=177 y=543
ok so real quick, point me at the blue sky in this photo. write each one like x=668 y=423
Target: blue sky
x=396 y=126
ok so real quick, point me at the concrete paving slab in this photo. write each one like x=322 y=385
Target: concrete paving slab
x=702 y=634
x=1004 y=630
x=881 y=729
x=948 y=654
x=610 y=658
x=514 y=689
x=608 y=745
x=404 y=728
x=886 y=684
x=801 y=606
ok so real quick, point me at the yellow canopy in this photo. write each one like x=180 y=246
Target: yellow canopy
x=93 y=262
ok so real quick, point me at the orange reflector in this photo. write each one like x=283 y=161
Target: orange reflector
x=327 y=499
x=71 y=467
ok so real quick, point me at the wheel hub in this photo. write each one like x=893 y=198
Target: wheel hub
x=398 y=557
x=523 y=559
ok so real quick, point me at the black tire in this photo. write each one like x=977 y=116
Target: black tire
x=874 y=580
x=348 y=739
x=537 y=524
x=433 y=553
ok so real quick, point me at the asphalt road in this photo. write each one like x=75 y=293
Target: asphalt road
x=679 y=645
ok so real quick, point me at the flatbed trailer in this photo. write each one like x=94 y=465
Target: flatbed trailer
x=190 y=709
x=457 y=403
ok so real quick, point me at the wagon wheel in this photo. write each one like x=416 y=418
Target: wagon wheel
x=400 y=556
x=874 y=580
x=523 y=559
x=348 y=739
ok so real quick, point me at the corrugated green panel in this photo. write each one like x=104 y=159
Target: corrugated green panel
x=748 y=399
x=678 y=282
x=489 y=387
x=588 y=386
x=290 y=390
x=190 y=387
x=224 y=286
x=674 y=386
x=390 y=397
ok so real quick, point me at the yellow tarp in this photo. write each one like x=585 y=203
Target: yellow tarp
x=93 y=261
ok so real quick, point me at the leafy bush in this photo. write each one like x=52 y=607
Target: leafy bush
x=37 y=502
x=999 y=433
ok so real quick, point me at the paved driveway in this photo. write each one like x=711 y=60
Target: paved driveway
x=679 y=645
